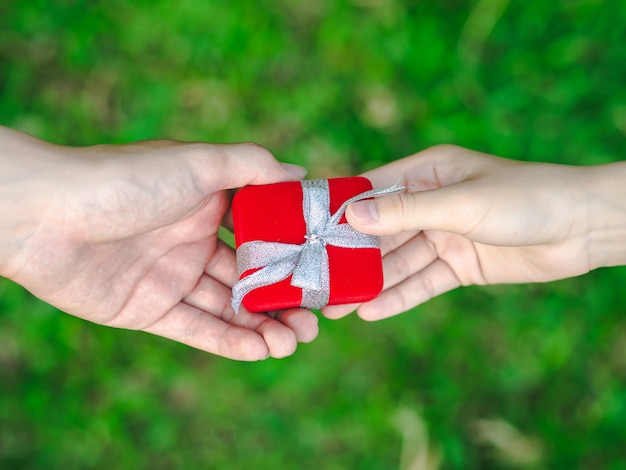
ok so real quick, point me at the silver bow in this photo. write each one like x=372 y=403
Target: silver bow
x=307 y=262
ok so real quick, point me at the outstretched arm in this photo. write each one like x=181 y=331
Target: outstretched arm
x=127 y=236
x=473 y=218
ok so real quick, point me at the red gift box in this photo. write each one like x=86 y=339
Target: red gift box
x=274 y=213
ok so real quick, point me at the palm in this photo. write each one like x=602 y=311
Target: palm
x=163 y=269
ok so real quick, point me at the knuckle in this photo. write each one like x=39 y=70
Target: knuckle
x=402 y=265
x=191 y=330
x=156 y=144
x=427 y=287
x=256 y=150
x=198 y=149
x=445 y=154
x=400 y=302
x=403 y=209
x=396 y=212
x=397 y=205
x=444 y=148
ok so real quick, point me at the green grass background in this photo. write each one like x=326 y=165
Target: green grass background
x=530 y=376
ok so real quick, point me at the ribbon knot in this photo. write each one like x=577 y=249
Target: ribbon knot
x=313 y=238
x=307 y=262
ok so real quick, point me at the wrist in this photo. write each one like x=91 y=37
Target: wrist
x=606 y=187
x=28 y=184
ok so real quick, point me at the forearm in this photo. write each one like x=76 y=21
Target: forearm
x=606 y=188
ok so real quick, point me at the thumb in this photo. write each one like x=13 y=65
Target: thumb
x=437 y=209
x=238 y=165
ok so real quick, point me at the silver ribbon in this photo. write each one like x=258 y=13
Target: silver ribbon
x=307 y=262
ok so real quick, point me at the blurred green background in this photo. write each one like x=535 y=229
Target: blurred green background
x=530 y=376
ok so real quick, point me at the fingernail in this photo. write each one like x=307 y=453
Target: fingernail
x=364 y=212
x=296 y=170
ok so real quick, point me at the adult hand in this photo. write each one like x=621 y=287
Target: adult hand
x=127 y=236
x=472 y=218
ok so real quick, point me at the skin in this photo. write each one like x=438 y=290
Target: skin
x=472 y=218
x=127 y=236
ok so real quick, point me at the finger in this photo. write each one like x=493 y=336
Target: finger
x=227 y=219
x=391 y=242
x=230 y=166
x=447 y=209
x=302 y=322
x=398 y=265
x=213 y=297
x=335 y=312
x=191 y=326
x=280 y=339
x=434 y=280
x=388 y=245
x=407 y=260
x=434 y=167
x=223 y=265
